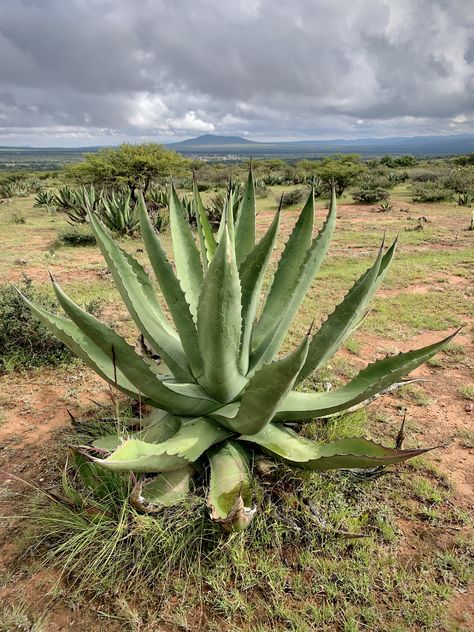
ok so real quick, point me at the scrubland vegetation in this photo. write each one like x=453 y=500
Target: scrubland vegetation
x=367 y=549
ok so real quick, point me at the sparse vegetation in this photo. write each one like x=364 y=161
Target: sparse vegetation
x=26 y=343
x=223 y=367
x=175 y=567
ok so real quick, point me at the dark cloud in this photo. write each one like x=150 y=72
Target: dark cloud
x=86 y=71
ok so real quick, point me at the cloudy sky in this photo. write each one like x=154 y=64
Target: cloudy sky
x=85 y=72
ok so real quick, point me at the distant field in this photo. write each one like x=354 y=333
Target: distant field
x=31 y=159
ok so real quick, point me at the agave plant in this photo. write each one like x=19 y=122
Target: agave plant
x=47 y=199
x=219 y=203
x=7 y=190
x=77 y=203
x=157 y=197
x=119 y=213
x=465 y=199
x=221 y=390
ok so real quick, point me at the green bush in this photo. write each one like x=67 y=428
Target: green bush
x=430 y=192
x=24 y=341
x=290 y=198
x=80 y=235
x=370 y=195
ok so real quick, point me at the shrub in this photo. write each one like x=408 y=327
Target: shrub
x=290 y=198
x=75 y=236
x=424 y=175
x=430 y=192
x=24 y=341
x=460 y=180
x=370 y=195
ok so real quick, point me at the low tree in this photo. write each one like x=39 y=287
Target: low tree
x=131 y=166
x=339 y=171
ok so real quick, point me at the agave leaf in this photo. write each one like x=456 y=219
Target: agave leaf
x=270 y=345
x=130 y=363
x=227 y=219
x=157 y=432
x=230 y=493
x=186 y=253
x=347 y=315
x=84 y=348
x=103 y=484
x=165 y=490
x=286 y=275
x=142 y=303
x=189 y=390
x=172 y=291
x=343 y=453
x=219 y=325
x=245 y=223
x=229 y=213
x=193 y=438
x=375 y=378
x=264 y=393
x=206 y=236
x=252 y=273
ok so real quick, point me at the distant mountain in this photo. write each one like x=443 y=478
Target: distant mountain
x=212 y=140
x=210 y=144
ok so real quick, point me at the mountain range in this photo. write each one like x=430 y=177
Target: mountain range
x=211 y=144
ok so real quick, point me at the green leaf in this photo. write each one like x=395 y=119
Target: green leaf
x=165 y=490
x=344 y=453
x=186 y=446
x=156 y=432
x=230 y=493
x=131 y=365
x=219 y=325
x=70 y=492
x=186 y=253
x=263 y=394
x=272 y=342
x=286 y=275
x=372 y=380
x=347 y=315
x=142 y=303
x=206 y=236
x=172 y=291
x=101 y=483
x=245 y=223
x=84 y=348
x=252 y=273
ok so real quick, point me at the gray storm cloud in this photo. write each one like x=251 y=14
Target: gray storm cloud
x=93 y=71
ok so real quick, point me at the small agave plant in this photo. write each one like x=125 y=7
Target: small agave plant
x=221 y=391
